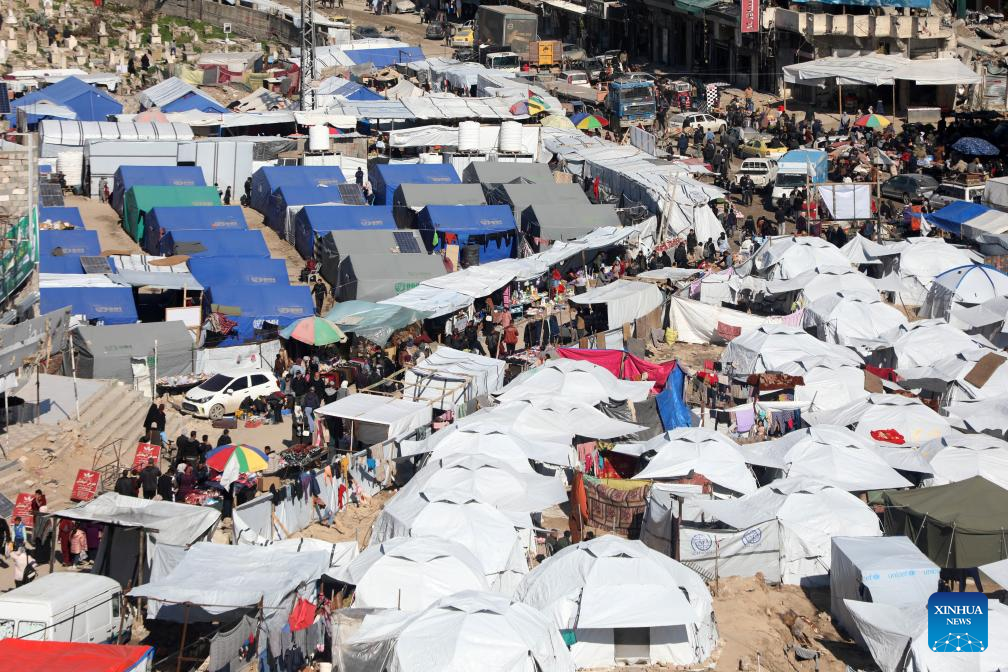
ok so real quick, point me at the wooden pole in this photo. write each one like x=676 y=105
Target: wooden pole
x=73 y=373
x=185 y=630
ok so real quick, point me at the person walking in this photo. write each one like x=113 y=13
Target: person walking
x=227 y=195
x=510 y=339
x=65 y=530
x=24 y=567
x=149 y=479
x=78 y=545
x=308 y=405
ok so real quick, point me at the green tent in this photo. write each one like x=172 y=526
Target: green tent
x=961 y=525
x=141 y=198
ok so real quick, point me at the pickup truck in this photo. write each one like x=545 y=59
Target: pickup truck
x=950 y=192
x=762 y=172
x=690 y=121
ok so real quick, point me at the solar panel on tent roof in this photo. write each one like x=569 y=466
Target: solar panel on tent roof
x=351 y=194
x=50 y=195
x=406 y=242
x=95 y=264
x=4 y=100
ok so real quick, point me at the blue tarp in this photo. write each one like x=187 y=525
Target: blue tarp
x=239 y=271
x=954 y=215
x=105 y=305
x=88 y=102
x=268 y=179
x=221 y=243
x=385 y=56
x=166 y=176
x=193 y=101
x=71 y=245
x=921 y=4
x=492 y=227
x=162 y=219
x=317 y=220
x=671 y=408
x=66 y=214
x=337 y=86
x=275 y=216
x=259 y=307
x=386 y=177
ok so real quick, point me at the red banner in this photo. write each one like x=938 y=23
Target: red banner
x=144 y=452
x=86 y=486
x=750 y=16
x=22 y=508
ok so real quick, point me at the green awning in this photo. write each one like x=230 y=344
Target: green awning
x=696 y=6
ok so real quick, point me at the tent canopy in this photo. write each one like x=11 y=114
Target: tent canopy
x=625 y=300
x=175 y=95
x=214 y=243
x=567 y=221
x=268 y=179
x=379 y=417
x=491 y=227
x=879 y=69
x=314 y=221
x=105 y=305
x=169 y=523
x=60 y=251
x=953 y=216
x=211 y=271
x=141 y=199
x=378 y=276
x=449 y=377
x=292 y=195
x=373 y=321
x=108 y=351
x=88 y=103
x=386 y=177
x=521 y=196
x=255 y=307
x=575 y=380
x=495 y=172
x=127 y=177
x=163 y=219
x=64 y=215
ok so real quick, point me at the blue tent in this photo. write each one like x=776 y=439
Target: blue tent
x=268 y=179
x=165 y=176
x=105 y=305
x=60 y=251
x=223 y=243
x=384 y=57
x=316 y=220
x=257 y=308
x=343 y=88
x=386 y=177
x=162 y=219
x=954 y=215
x=88 y=102
x=239 y=271
x=296 y=194
x=67 y=215
x=492 y=227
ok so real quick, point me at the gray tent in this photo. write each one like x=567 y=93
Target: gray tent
x=494 y=172
x=567 y=221
x=521 y=196
x=374 y=277
x=410 y=199
x=107 y=352
x=335 y=246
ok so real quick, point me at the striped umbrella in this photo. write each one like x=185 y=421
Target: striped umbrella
x=244 y=457
x=586 y=121
x=872 y=121
x=314 y=330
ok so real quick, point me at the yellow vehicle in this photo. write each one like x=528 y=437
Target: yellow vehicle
x=763 y=148
x=462 y=37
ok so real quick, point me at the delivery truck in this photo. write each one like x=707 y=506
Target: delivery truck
x=798 y=168
x=506 y=26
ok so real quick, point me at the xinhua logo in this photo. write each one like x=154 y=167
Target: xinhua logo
x=957 y=622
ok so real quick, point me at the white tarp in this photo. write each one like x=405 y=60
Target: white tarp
x=555 y=420
x=849 y=320
x=861 y=250
x=716 y=553
x=771 y=347
x=847 y=201
x=625 y=300
x=449 y=377
x=169 y=523
x=879 y=70
x=575 y=380
x=487 y=438
x=926 y=342
x=698 y=322
x=914 y=421
x=685 y=451
x=379 y=418
x=959 y=456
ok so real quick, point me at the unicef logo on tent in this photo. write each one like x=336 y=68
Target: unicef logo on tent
x=701 y=543
x=957 y=622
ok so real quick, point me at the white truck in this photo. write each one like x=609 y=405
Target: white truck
x=762 y=172
x=66 y=607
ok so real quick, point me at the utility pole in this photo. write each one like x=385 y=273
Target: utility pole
x=307 y=54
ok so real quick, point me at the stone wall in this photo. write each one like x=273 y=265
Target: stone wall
x=13 y=183
x=245 y=21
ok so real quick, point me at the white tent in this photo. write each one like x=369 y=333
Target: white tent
x=851 y=320
x=625 y=300
x=923 y=344
x=375 y=418
x=450 y=377
x=950 y=377
x=959 y=456
x=963 y=286
x=772 y=347
x=831 y=454
x=827 y=383
x=685 y=451
x=553 y=420
x=410 y=573
x=998 y=571
x=613 y=592
x=785 y=257
x=921 y=261
x=915 y=422
x=862 y=251
x=879 y=70
x=987 y=415
x=897 y=637
x=488 y=438
x=786 y=531
x=575 y=380
x=882 y=570
x=466 y=631
x=830 y=280
x=483 y=530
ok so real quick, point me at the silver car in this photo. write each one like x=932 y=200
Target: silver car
x=910 y=187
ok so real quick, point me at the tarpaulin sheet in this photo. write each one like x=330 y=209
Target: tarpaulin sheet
x=672 y=409
x=491 y=227
x=65 y=215
x=623 y=364
x=314 y=221
x=239 y=271
x=60 y=251
x=395 y=417
x=880 y=69
x=625 y=300
x=162 y=219
x=215 y=243
x=105 y=305
x=920 y=4
x=23 y=654
x=847 y=201
x=293 y=195
x=386 y=177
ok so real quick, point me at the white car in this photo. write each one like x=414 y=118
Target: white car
x=223 y=393
x=576 y=77
x=691 y=120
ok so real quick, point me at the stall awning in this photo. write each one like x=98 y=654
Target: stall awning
x=695 y=6
x=879 y=69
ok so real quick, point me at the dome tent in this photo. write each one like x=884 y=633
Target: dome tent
x=964 y=286
x=658 y=601
x=771 y=347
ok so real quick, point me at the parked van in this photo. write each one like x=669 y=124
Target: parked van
x=223 y=393
x=65 y=607
x=761 y=171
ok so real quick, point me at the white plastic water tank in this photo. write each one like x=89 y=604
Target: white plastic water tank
x=318 y=138
x=71 y=164
x=511 y=137
x=468 y=139
x=431 y=157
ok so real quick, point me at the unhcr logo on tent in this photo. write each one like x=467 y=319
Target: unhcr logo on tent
x=291 y=310
x=261 y=280
x=957 y=622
